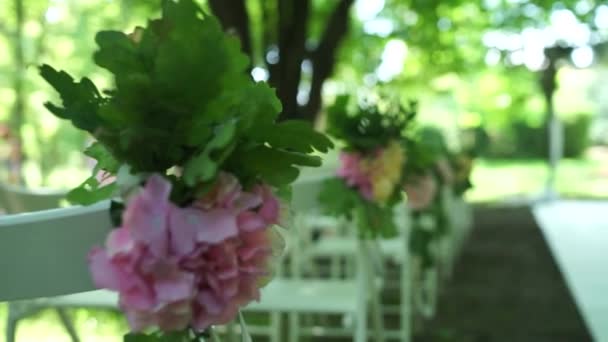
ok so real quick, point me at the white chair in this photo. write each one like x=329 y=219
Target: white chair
x=395 y=250
x=16 y=199
x=43 y=254
x=297 y=295
x=418 y=284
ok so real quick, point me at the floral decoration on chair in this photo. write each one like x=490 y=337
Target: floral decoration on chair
x=368 y=180
x=191 y=143
x=431 y=168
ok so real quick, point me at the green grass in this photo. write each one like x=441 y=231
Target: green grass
x=494 y=180
x=92 y=326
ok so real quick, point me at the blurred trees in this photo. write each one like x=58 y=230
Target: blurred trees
x=59 y=32
x=464 y=60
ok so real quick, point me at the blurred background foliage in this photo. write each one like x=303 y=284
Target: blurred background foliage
x=474 y=66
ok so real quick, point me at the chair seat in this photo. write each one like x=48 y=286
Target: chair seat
x=308 y=296
x=341 y=246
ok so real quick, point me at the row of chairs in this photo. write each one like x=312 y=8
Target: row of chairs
x=327 y=272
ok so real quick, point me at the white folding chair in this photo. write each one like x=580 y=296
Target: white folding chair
x=43 y=254
x=395 y=250
x=298 y=294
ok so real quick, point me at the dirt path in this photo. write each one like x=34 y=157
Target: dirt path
x=506 y=287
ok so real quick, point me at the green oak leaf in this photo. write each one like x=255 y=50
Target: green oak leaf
x=117 y=53
x=275 y=167
x=293 y=135
x=90 y=192
x=199 y=169
x=80 y=99
x=203 y=167
x=105 y=160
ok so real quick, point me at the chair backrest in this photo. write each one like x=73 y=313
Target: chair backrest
x=15 y=199
x=44 y=254
x=305 y=193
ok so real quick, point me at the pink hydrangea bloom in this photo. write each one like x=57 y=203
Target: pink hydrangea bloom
x=174 y=267
x=352 y=171
x=421 y=191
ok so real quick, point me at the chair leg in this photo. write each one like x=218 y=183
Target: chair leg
x=294 y=327
x=11 y=329
x=67 y=324
x=377 y=318
x=405 y=301
x=361 y=327
x=16 y=312
x=275 y=326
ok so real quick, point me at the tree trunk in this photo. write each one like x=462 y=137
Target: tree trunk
x=293 y=26
x=324 y=56
x=234 y=18
x=292 y=29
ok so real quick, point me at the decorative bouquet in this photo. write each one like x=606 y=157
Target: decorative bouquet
x=430 y=167
x=368 y=181
x=190 y=143
x=422 y=185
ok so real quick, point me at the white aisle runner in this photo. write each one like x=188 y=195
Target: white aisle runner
x=577 y=234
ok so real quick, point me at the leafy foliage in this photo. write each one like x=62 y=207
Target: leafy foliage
x=369 y=124
x=182 y=97
x=372 y=220
x=424 y=233
x=424 y=147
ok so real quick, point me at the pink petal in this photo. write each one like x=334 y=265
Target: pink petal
x=210 y=302
x=147 y=215
x=249 y=221
x=246 y=253
x=137 y=298
x=103 y=272
x=246 y=201
x=183 y=228
x=178 y=287
x=215 y=226
x=228 y=273
x=119 y=241
x=189 y=225
x=270 y=208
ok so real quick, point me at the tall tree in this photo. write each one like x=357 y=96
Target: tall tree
x=286 y=39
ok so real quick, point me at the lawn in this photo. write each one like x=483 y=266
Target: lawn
x=92 y=326
x=497 y=180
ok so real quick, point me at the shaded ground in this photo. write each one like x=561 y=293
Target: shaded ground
x=506 y=287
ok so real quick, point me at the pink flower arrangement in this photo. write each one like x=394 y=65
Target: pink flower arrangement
x=376 y=176
x=352 y=171
x=421 y=191
x=195 y=266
